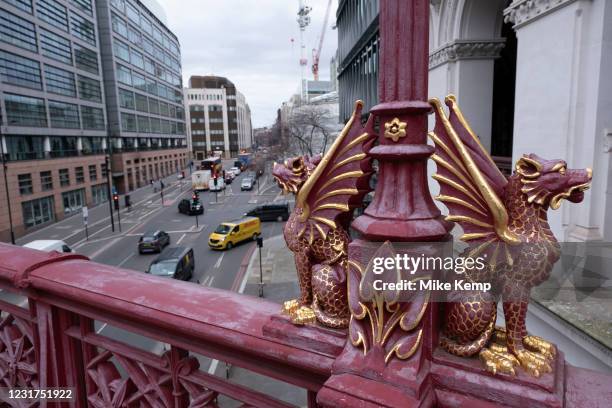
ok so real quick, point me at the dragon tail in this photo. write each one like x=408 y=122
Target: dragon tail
x=473 y=347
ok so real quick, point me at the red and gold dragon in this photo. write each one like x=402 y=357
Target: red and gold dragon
x=327 y=190
x=504 y=220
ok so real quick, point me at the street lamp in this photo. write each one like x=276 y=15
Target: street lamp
x=8 y=199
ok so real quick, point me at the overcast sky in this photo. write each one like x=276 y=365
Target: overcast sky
x=249 y=42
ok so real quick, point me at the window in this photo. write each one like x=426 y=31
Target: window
x=137 y=59
x=143 y=124
x=155 y=125
x=52 y=12
x=146 y=25
x=17 y=31
x=37 y=212
x=148 y=46
x=82 y=28
x=99 y=194
x=126 y=99
x=154 y=106
x=25 y=111
x=89 y=89
x=64 y=177
x=93 y=172
x=151 y=86
x=128 y=122
x=150 y=66
x=73 y=201
x=132 y=13
x=59 y=81
x=121 y=50
x=86 y=59
x=103 y=170
x=84 y=5
x=165 y=127
x=93 y=118
x=79 y=175
x=134 y=36
x=163 y=109
x=25 y=184
x=157 y=35
x=139 y=82
x=119 y=26
x=119 y=5
x=20 y=71
x=142 y=104
x=46 y=181
x=124 y=75
x=64 y=115
x=25 y=5
x=55 y=46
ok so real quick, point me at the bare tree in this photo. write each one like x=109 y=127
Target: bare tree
x=308 y=130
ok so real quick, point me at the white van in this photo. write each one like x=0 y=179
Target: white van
x=48 y=245
x=220 y=184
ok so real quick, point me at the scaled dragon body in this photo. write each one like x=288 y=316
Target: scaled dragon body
x=505 y=221
x=327 y=190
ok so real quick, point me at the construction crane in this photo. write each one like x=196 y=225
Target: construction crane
x=316 y=53
x=303 y=21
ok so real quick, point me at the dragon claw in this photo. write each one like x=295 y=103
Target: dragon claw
x=498 y=362
x=290 y=306
x=535 y=364
x=303 y=315
x=540 y=346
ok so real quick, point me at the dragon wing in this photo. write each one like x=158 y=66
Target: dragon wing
x=339 y=182
x=470 y=183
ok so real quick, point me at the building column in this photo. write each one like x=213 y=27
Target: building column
x=47 y=146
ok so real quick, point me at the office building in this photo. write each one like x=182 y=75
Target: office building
x=142 y=79
x=219 y=118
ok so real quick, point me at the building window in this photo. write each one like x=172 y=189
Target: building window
x=79 y=175
x=63 y=146
x=119 y=5
x=139 y=82
x=92 y=118
x=151 y=86
x=17 y=31
x=25 y=184
x=154 y=106
x=25 y=5
x=20 y=71
x=124 y=75
x=143 y=124
x=64 y=115
x=146 y=25
x=119 y=26
x=52 y=12
x=128 y=122
x=93 y=172
x=59 y=81
x=37 y=212
x=46 y=181
x=142 y=104
x=103 y=170
x=122 y=51
x=25 y=111
x=134 y=36
x=89 y=89
x=163 y=109
x=82 y=28
x=99 y=194
x=155 y=125
x=84 y=5
x=148 y=46
x=64 y=177
x=55 y=47
x=73 y=201
x=86 y=59
x=126 y=99
x=91 y=145
x=132 y=13
x=137 y=59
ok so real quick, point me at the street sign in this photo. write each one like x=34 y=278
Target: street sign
x=85 y=215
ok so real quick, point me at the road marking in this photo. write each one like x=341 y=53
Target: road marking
x=218 y=263
x=212 y=278
x=205 y=282
x=181 y=238
x=101 y=328
x=126 y=259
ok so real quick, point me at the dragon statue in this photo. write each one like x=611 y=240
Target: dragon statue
x=504 y=220
x=327 y=190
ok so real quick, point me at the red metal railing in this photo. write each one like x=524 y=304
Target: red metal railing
x=50 y=341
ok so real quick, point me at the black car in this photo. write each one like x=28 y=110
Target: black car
x=153 y=241
x=176 y=263
x=270 y=212
x=187 y=207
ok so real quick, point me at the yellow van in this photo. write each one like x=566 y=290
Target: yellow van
x=228 y=234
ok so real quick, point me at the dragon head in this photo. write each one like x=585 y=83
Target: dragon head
x=547 y=182
x=292 y=174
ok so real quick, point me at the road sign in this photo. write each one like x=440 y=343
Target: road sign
x=85 y=215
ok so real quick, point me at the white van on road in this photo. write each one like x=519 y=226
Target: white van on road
x=48 y=245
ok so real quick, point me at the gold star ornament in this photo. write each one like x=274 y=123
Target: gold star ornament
x=395 y=129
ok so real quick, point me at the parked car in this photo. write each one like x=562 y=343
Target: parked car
x=48 y=245
x=228 y=234
x=187 y=207
x=247 y=184
x=235 y=170
x=176 y=263
x=153 y=241
x=270 y=212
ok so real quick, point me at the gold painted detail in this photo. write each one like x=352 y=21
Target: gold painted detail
x=395 y=129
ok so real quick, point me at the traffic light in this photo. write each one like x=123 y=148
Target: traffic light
x=195 y=198
x=215 y=180
x=116 y=201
